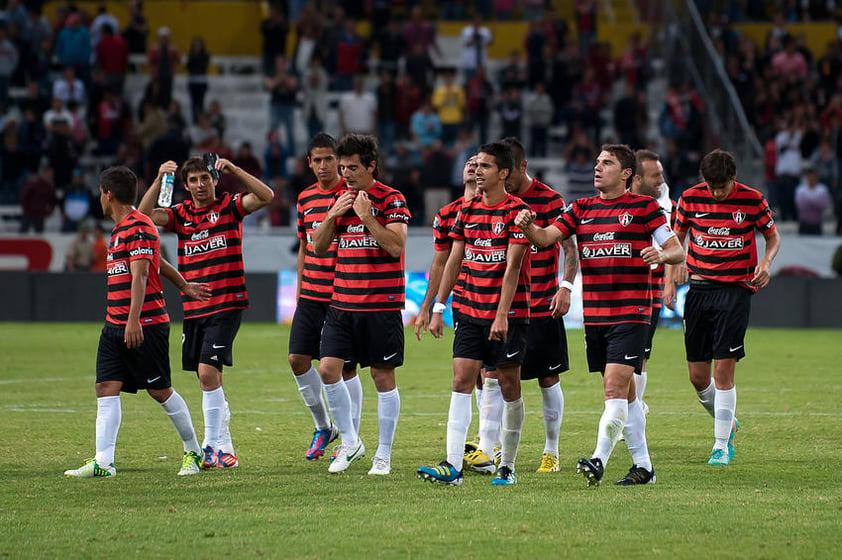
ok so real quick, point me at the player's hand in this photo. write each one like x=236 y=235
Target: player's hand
x=652 y=255
x=437 y=325
x=761 y=275
x=669 y=295
x=679 y=274
x=362 y=205
x=224 y=166
x=499 y=330
x=524 y=219
x=422 y=322
x=560 y=304
x=197 y=291
x=133 y=334
x=342 y=204
x=167 y=167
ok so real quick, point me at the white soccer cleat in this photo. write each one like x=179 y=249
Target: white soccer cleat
x=380 y=466
x=346 y=455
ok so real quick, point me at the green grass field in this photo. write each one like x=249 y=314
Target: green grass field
x=781 y=496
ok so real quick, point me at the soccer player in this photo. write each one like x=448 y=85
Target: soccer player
x=546 y=351
x=133 y=351
x=363 y=324
x=313 y=293
x=210 y=239
x=614 y=231
x=721 y=217
x=494 y=311
x=648 y=180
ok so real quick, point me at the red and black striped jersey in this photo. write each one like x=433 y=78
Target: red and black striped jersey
x=210 y=249
x=367 y=277
x=487 y=232
x=722 y=243
x=317 y=277
x=442 y=241
x=658 y=271
x=611 y=234
x=135 y=237
x=547 y=205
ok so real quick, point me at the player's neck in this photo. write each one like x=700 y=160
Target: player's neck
x=329 y=185
x=120 y=211
x=524 y=186
x=492 y=198
x=612 y=193
x=368 y=186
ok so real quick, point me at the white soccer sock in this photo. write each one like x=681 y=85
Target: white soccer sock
x=109 y=414
x=635 y=435
x=388 y=412
x=213 y=404
x=490 y=416
x=339 y=402
x=707 y=396
x=478 y=398
x=458 y=422
x=355 y=389
x=726 y=405
x=640 y=384
x=512 y=426
x=552 y=400
x=226 y=444
x=611 y=425
x=310 y=386
x=179 y=415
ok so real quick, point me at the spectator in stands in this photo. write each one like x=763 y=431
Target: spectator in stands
x=585 y=17
x=629 y=115
x=634 y=62
x=420 y=69
x=426 y=125
x=306 y=48
x=78 y=128
x=513 y=73
x=539 y=115
x=408 y=100
x=812 y=199
x=198 y=60
x=503 y=9
x=449 y=101
x=8 y=64
x=163 y=59
x=12 y=165
x=281 y=208
x=109 y=130
x=314 y=86
x=789 y=64
x=32 y=136
x=479 y=99
x=435 y=180
x=274 y=157
x=76 y=203
x=79 y=254
x=475 y=40
x=100 y=261
x=787 y=168
x=112 y=57
x=245 y=160
x=57 y=114
x=69 y=88
x=419 y=30
x=274 y=30
x=203 y=136
x=391 y=47
x=37 y=201
x=282 y=87
x=102 y=19
x=137 y=29
x=358 y=109
x=510 y=109
x=579 y=155
x=73 y=47
x=536 y=40
x=153 y=124
x=351 y=56
x=681 y=115
x=300 y=178
x=386 y=104
x=826 y=164
x=465 y=148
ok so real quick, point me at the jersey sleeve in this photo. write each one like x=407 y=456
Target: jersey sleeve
x=302 y=227
x=395 y=210
x=567 y=220
x=235 y=204
x=141 y=243
x=516 y=235
x=655 y=216
x=764 y=220
x=680 y=217
x=441 y=232
x=457 y=230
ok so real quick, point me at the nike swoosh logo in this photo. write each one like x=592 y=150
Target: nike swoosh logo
x=587 y=220
x=734 y=349
x=389 y=357
x=470 y=226
x=308 y=211
x=627 y=357
x=187 y=224
x=217 y=346
x=153 y=380
x=647 y=350
x=512 y=355
x=701 y=214
x=555 y=367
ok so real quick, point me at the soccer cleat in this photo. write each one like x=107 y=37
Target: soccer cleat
x=333 y=455
x=591 y=469
x=735 y=427
x=645 y=408
x=498 y=455
x=719 y=457
x=549 y=463
x=444 y=473
x=346 y=455
x=209 y=461
x=91 y=469
x=227 y=460
x=637 y=475
x=190 y=463
x=470 y=447
x=380 y=466
x=478 y=461
x=321 y=438
x=505 y=477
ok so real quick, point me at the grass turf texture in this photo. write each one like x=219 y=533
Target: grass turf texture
x=781 y=495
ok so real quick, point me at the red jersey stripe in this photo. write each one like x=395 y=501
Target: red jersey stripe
x=319 y=270
x=442 y=223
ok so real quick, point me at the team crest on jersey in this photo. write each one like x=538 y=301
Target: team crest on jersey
x=738 y=216
x=497 y=228
x=213 y=217
x=625 y=219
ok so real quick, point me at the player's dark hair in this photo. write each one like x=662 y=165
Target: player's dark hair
x=501 y=153
x=625 y=156
x=193 y=165
x=718 y=167
x=362 y=145
x=516 y=146
x=641 y=156
x=121 y=181
x=321 y=140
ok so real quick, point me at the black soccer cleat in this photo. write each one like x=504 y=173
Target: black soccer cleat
x=637 y=475
x=591 y=469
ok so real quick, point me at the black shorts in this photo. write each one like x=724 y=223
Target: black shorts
x=615 y=344
x=305 y=335
x=653 y=326
x=471 y=342
x=715 y=320
x=210 y=340
x=546 y=349
x=145 y=367
x=367 y=338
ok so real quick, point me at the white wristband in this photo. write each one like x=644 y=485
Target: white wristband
x=439 y=307
x=567 y=285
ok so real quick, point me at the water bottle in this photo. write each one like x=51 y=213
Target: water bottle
x=165 y=195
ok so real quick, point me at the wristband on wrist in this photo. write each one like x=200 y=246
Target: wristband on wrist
x=439 y=307
x=567 y=285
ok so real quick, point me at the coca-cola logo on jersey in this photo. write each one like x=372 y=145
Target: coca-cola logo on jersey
x=605 y=236
x=482 y=242
x=719 y=231
x=359 y=228
x=200 y=235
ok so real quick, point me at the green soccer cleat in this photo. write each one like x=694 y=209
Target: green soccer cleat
x=735 y=427
x=91 y=469
x=505 y=477
x=719 y=457
x=443 y=473
x=191 y=463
